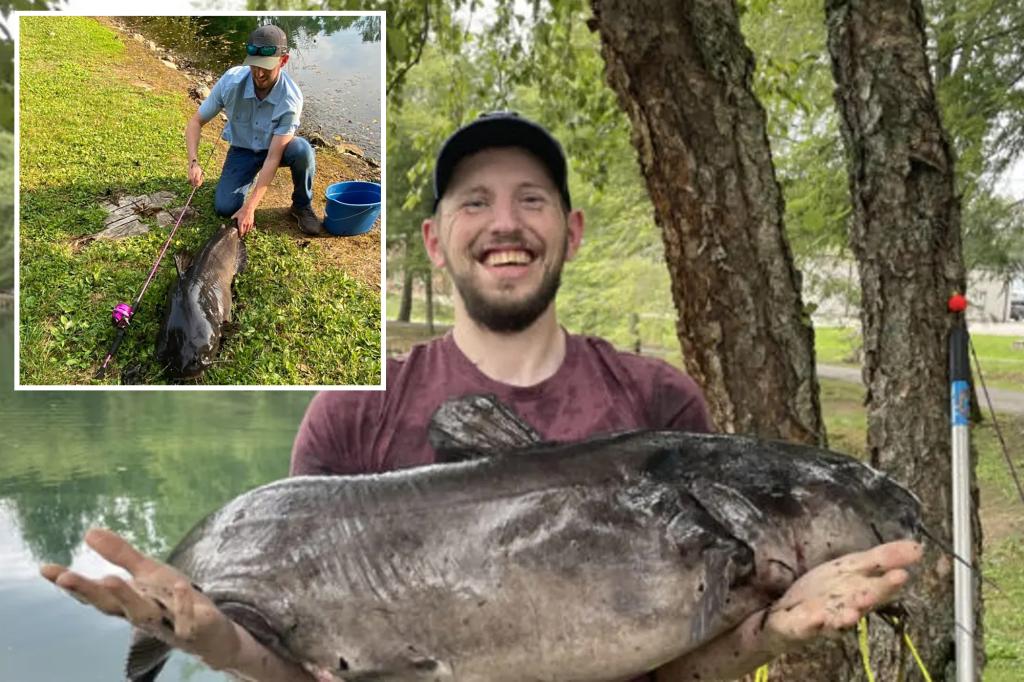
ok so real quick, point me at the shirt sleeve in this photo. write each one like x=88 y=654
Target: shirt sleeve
x=287 y=124
x=335 y=434
x=214 y=102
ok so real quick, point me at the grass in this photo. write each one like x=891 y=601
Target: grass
x=1002 y=365
x=90 y=128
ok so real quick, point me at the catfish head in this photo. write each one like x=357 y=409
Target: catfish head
x=796 y=506
x=189 y=336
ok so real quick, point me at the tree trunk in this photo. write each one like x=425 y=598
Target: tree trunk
x=405 y=308
x=428 y=281
x=682 y=73
x=905 y=234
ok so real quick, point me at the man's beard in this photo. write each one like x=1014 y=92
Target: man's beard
x=508 y=317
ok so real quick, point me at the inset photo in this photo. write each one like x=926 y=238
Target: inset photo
x=200 y=200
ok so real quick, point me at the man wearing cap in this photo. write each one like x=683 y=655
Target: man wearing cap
x=503 y=225
x=263 y=107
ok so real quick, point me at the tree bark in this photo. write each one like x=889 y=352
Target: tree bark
x=682 y=73
x=428 y=283
x=405 y=308
x=905 y=234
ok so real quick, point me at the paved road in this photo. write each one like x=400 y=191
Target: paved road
x=1003 y=400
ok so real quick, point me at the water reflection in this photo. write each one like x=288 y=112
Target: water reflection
x=336 y=62
x=149 y=465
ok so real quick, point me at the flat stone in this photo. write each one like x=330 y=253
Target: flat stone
x=129 y=226
x=126 y=215
x=169 y=64
x=349 y=148
x=139 y=37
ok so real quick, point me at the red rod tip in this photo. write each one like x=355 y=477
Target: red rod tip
x=957 y=303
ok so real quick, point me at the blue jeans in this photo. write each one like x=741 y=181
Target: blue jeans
x=242 y=165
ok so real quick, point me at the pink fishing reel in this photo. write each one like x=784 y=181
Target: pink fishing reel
x=122 y=315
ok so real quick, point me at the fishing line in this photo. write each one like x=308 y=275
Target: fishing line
x=121 y=315
x=995 y=422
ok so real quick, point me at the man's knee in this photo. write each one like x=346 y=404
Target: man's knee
x=226 y=203
x=298 y=150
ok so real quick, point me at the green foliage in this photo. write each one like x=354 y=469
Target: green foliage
x=88 y=133
x=993 y=233
x=793 y=80
x=978 y=64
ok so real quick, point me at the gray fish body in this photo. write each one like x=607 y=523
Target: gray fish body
x=199 y=305
x=584 y=561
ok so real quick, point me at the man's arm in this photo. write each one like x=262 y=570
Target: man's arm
x=826 y=600
x=192 y=131
x=162 y=602
x=245 y=214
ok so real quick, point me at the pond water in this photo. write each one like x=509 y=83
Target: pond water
x=148 y=465
x=335 y=61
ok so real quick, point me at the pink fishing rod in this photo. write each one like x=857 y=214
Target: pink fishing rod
x=121 y=316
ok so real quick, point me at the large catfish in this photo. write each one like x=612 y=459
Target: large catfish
x=199 y=304
x=593 y=560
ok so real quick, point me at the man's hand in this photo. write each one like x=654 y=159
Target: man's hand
x=159 y=600
x=824 y=601
x=835 y=595
x=245 y=217
x=195 y=174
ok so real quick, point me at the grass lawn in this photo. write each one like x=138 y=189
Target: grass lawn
x=1002 y=365
x=109 y=121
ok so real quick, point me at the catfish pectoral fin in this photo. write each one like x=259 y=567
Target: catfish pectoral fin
x=146 y=658
x=256 y=622
x=241 y=259
x=182 y=262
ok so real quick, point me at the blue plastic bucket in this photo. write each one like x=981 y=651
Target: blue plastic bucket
x=352 y=207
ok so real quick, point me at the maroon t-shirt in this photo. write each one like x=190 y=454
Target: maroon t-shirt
x=596 y=390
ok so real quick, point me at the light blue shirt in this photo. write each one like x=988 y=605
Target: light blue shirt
x=253 y=122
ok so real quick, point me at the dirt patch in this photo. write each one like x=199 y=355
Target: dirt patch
x=359 y=256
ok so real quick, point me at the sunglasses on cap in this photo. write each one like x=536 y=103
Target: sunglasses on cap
x=264 y=50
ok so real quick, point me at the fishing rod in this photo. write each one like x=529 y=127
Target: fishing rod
x=960 y=401
x=121 y=315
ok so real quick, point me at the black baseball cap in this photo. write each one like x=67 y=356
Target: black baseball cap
x=501 y=129
x=267 y=35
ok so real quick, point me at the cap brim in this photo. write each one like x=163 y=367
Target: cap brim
x=485 y=133
x=269 y=63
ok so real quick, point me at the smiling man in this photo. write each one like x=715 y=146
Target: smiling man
x=263 y=107
x=503 y=226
